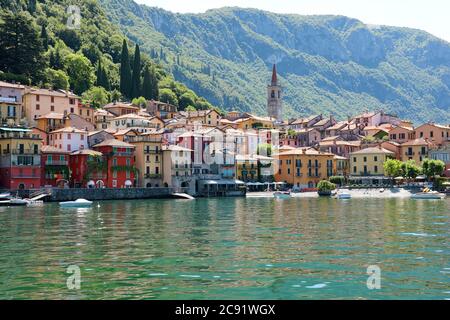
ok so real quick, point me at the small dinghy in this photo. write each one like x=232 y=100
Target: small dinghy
x=79 y=203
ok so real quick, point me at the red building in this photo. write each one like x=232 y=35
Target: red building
x=20 y=159
x=55 y=163
x=119 y=161
x=88 y=169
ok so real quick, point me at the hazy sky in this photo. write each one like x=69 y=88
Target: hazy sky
x=429 y=15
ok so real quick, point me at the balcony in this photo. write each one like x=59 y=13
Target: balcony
x=313 y=165
x=152 y=176
x=152 y=151
x=182 y=167
x=311 y=175
x=20 y=151
x=410 y=154
x=25 y=176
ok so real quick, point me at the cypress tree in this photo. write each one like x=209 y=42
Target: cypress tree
x=99 y=74
x=136 y=78
x=44 y=37
x=125 y=71
x=146 y=84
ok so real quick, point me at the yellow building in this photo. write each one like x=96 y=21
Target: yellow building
x=149 y=162
x=304 y=167
x=207 y=117
x=416 y=150
x=247 y=168
x=254 y=122
x=369 y=161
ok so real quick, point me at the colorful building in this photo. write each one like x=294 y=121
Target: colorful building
x=39 y=102
x=88 y=169
x=369 y=161
x=55 y=164
x=416 y=150
x=304 y=167
x=435 y=133
x=20 y=158
x=118 y=157
x=177 y=168
x=149 y=160
x=11 y=107
x=69 y=139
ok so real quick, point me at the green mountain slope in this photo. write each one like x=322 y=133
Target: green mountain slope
x=326 y=63
x=71 y=56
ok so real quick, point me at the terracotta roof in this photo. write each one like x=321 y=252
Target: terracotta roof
x=176 y=148
x=338 y=125
x=11 y=85
x=102 y=112
x=417 y=142
x=88 y=152
x=120 y=105
x=52 y=115
x=49 y=92
x=130 y=116
x=373 y=150
x=304 y=120
x=52 y=149
x=69 y=130
x=114 y=143
x=305 y=151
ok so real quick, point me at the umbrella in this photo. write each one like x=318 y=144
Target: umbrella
x=446 y=184
x=399 y=178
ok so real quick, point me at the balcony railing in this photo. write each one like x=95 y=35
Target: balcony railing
x=313 y=165
x=152 y=151
x=410 y=153
x=152 y=176
x=25 y=176
x=21 y=151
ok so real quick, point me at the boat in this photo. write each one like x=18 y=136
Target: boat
x=433 y=195
x=344 y=195
x=5 y=196
x=79 y=203
x=282 y=195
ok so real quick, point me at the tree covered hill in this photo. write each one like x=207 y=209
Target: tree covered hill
x=42 y=42
x=329 y=64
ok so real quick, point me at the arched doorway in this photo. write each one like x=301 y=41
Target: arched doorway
x=128 y=184
x=185 y=184
x=100 y=184
x=166 y=185
x=149 y=185
x=21 y=186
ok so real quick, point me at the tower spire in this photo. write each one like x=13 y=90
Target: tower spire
x=274 y=75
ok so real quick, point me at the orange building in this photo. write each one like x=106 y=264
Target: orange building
x=402 y=134
x=304 y=167
x=416 y=150
x=435 y=133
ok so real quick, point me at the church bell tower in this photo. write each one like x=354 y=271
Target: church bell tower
x=274 y=97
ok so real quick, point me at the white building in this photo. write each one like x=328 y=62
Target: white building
x=136 y=122
x=69 y=139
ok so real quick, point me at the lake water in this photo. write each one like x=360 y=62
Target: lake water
x=228 y=248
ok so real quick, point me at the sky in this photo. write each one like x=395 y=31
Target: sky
x=432 y=16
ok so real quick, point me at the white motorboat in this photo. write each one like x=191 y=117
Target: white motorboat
x=433 y=195
x=5 y=196
x=282 y=195
x=79 y=203
x=18 y=202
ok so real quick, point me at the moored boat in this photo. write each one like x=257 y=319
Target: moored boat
x=344 y=195
x=433 y=195
x=282 y=195
x=79 y=203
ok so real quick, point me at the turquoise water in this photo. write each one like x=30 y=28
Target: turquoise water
x=234 y=248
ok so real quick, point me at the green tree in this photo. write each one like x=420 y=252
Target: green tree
x=115 y=95
x=410 y=170
x=57 y=79
x=21 y=50
x=125 y=71
x=96 y=96
x=326 y=185
x=433 y=168
x=102 y=76
x=150 y=84
x=44 y=37
x=186 y=99
x=140 y=102
x=264 y=149
x=136 y=77
x=168 y=96
x=393 y=168
x=190 y=109
x=80 y=72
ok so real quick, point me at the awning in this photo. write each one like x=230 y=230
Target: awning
x=208 y=182
x=15 y=129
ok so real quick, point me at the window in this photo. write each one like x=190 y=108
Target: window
x=157 y=170
x=431 y=134
x=375 y=158
x=114 y=183
x=365 y=159
x=128 y=161
x=69 y=147
x=52 y=108
x=72 y=101
x=38 y=107
x=72 y=110
x=114 y=161
x=37 y=97
x=82 y=137
x=354 y=159
x=114 y=174
x=52 y=99
x=69 y=136
x=375 y=169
